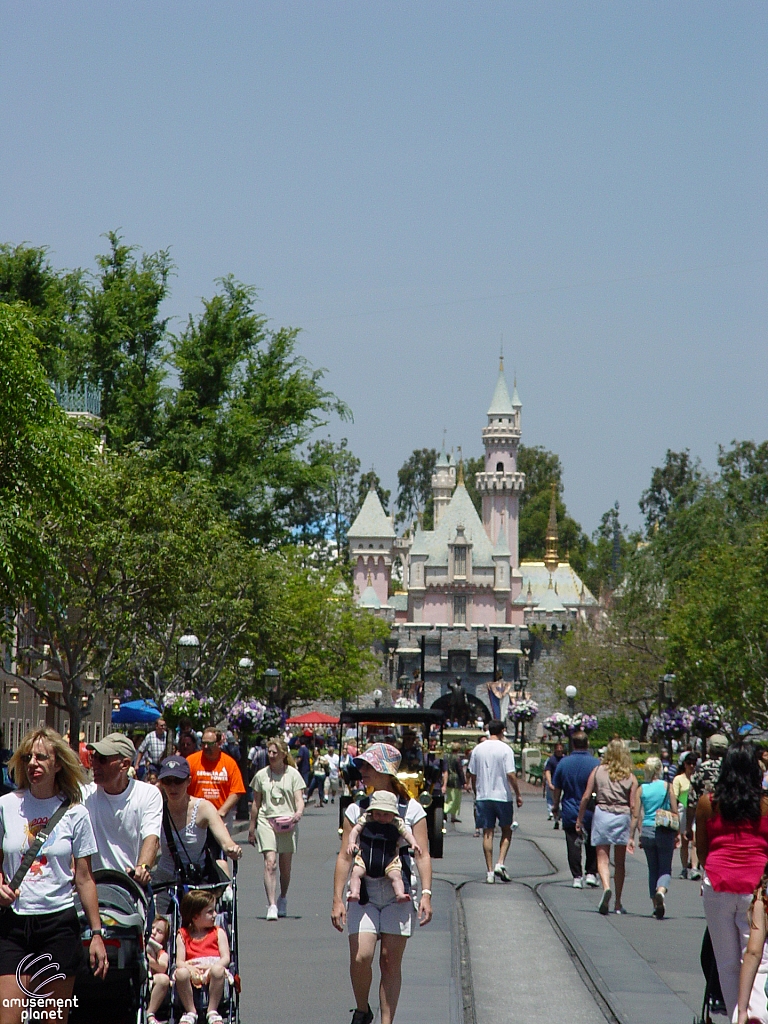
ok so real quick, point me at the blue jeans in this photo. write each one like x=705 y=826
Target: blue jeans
x=658 y=846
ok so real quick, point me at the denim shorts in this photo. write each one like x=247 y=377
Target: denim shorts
x=488 y=812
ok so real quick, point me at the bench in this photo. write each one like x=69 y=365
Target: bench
x=535 y=774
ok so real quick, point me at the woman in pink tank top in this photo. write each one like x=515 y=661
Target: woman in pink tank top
x=732 y=843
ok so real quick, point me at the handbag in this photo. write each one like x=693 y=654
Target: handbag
x=666 y=817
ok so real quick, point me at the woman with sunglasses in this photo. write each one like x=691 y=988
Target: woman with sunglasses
x=382 y=917
x=188 y=820
x=40 y=915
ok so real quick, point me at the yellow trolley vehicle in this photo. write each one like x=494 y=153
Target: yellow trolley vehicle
x=409 y=730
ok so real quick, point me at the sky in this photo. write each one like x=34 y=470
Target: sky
x=413 y=184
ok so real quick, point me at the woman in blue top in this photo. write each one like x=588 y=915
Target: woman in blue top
x=658 y=844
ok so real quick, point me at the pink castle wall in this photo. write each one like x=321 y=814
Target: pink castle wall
x=379 y=577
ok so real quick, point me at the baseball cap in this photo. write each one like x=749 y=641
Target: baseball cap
x=382 y=757
x=717 y=744
x=115 y=743
x=174 y=767
x=383 y=801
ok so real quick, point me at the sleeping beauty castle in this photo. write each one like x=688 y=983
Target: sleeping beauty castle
x=467 y=601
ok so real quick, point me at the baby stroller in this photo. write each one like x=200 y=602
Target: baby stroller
x=122 y=995
x=226 y=918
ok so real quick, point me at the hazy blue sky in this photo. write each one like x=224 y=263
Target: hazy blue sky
x=408 y=182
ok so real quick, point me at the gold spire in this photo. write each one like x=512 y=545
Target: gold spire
x=550 y=556
x=460 y=482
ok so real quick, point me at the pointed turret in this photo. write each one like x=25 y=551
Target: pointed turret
x=443 y=483
x=501 y=403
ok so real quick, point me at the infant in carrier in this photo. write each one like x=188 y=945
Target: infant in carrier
x=375 y=841
x=202 y=955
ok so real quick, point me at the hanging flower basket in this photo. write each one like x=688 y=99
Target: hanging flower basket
x=558 y=724
x=583 y=723
x=187 y=704
x=707 y=719
x=246 y=716
x=522 y=710
x=671 y=724
x=405 y=702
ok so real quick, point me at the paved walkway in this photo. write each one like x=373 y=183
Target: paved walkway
x=642 y=969
x=534 y=949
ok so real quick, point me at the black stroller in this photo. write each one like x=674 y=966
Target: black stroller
x=225 y=891
x=122 y=996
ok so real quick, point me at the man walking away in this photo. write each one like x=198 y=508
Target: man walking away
x=570 y=780
x=492 y=773
x=553 y=761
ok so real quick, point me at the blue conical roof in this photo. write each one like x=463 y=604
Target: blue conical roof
x=501 y=403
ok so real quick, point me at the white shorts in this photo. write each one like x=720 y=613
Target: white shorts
x=382 y=914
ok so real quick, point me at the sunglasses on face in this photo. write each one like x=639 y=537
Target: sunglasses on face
x=169 y=780
x=104 y=758
x=40 y=758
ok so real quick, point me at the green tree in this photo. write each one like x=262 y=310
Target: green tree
x=326 y=512
x=414 y=484
x=717 y=628
x=608 y=552
x=246 y=407
x=365 y=483
x=57 y=300
x=122 y=348
x=311 y=630
x=672 y=485
x=42 y=455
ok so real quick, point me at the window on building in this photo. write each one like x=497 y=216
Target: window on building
x=459 y=610
x=97 y=732
x=11 y=734
x=460 y=562
x=88 y=733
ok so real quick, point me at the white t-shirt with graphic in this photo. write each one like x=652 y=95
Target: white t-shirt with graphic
x=121 y=823
x=47 y=886
x=490 y=762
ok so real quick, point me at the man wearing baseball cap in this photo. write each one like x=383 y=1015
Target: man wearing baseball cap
x=126 y=814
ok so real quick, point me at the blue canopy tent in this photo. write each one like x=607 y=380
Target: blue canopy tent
x=136 y=711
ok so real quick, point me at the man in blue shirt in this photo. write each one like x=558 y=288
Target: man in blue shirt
x=570 y=781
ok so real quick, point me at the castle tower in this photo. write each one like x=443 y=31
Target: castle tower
x=443 y=484
x=500 y=484
x=371 y=545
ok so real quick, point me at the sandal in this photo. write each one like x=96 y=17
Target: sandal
x=188 y=1018
x=214 y=1017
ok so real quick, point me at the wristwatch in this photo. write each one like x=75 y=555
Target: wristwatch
x=97 y=931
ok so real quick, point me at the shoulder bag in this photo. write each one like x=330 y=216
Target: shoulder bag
x=665 y=816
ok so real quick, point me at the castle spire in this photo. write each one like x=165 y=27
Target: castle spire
x=550 y=557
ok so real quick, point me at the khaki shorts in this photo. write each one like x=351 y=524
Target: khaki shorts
x=269 y=841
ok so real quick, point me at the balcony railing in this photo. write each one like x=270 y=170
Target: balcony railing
x=83 y=399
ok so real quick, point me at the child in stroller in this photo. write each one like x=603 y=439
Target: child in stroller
x=157 y=961
x=202 y=955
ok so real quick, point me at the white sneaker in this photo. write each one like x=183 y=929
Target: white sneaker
x=515 y=824
x=272 y=912
x=501 y=872
x=578 y=883
x=591 y=881
x=490 y=878
x=282 y=906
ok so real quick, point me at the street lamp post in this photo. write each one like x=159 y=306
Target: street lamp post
x=570 y=693
x=245 y=672
x=188 y=655
x=272 y=684
x=377 y=698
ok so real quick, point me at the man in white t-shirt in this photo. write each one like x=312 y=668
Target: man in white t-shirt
x=126 y=814
x=332 y=782
x=492 y=773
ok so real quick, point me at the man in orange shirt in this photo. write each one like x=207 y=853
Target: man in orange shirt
x=215 y=776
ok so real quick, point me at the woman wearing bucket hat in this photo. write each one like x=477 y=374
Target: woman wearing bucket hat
x=382 y=917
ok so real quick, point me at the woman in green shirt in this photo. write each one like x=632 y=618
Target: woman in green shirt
x=278 y=804
x=681 y=785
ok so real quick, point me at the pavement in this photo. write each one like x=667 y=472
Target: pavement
x=524 y=951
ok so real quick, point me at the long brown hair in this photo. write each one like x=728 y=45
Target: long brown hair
x=68 y=779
